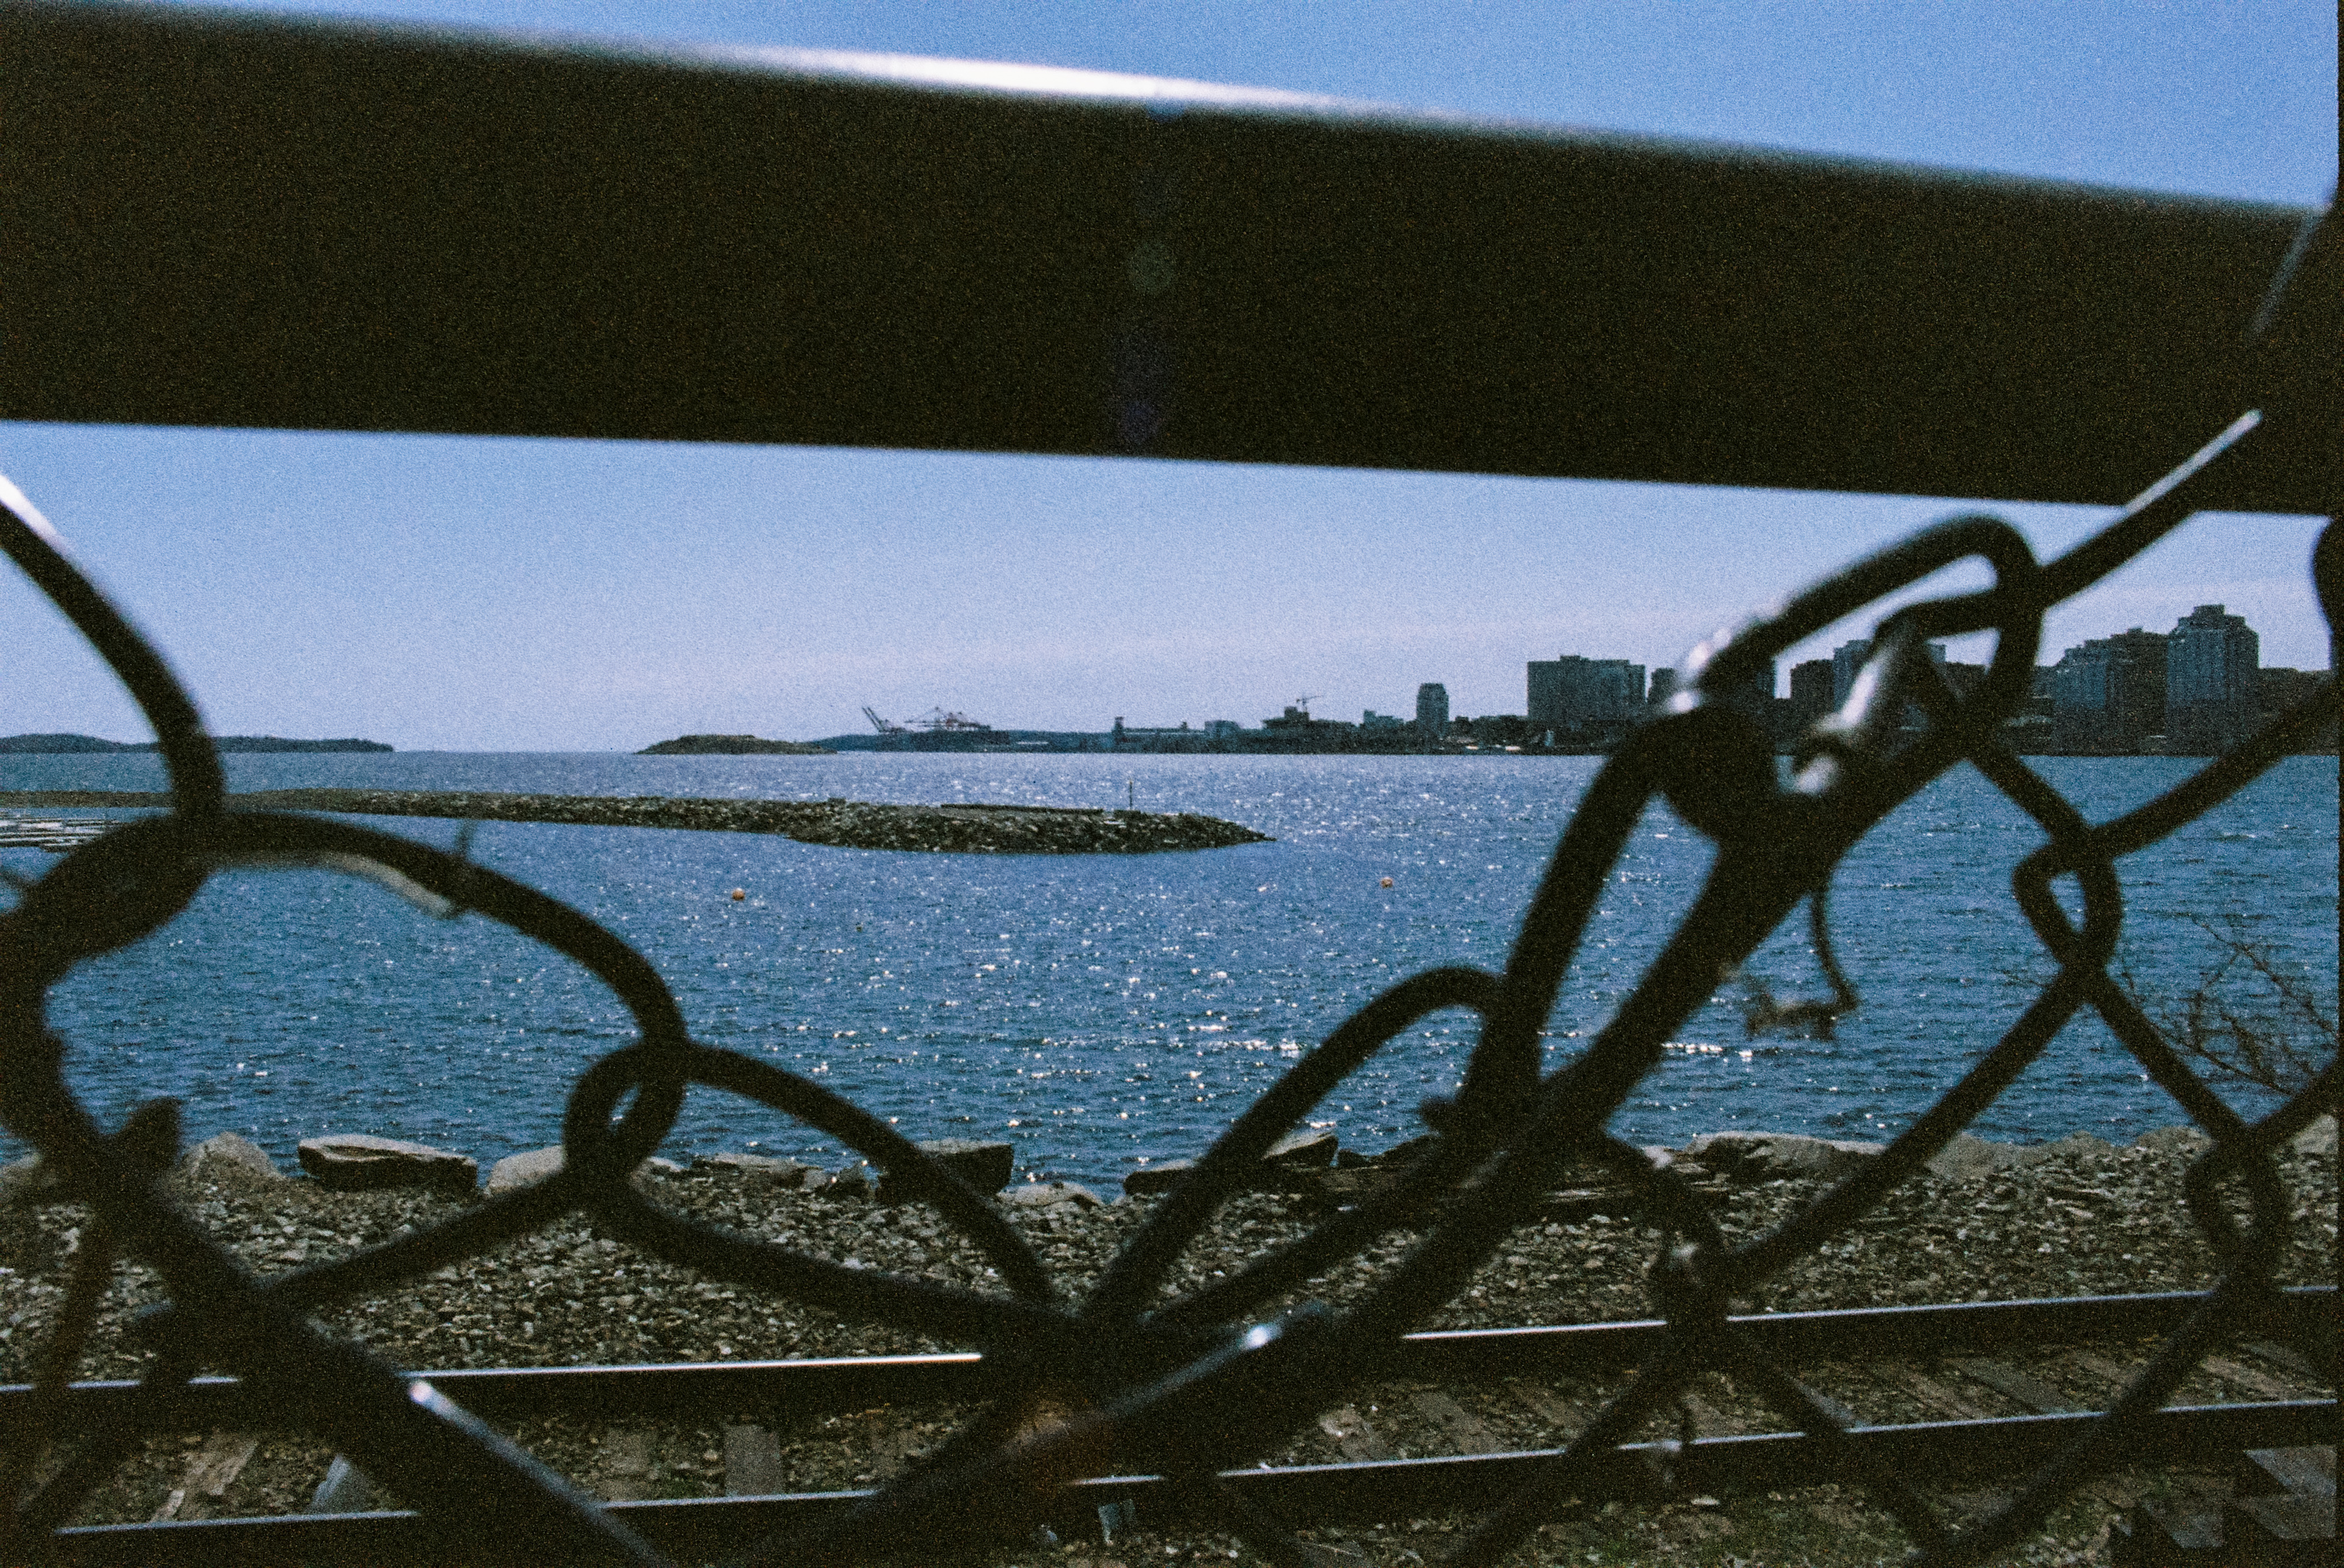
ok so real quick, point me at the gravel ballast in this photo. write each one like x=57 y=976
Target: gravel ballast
x=2079 y=1218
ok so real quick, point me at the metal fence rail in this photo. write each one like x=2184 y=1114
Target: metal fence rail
x=1185 y=1389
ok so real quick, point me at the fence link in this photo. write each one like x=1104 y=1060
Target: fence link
x=1194 y=1385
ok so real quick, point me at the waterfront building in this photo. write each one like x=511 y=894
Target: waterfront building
x=2108 y=696
x=1845 y=661
x=2283 y=688
x=1432 y=710
x=1580 y=698
x=1500 y=729
x=2213 y=694
x=1371 y=721
x=1756 y=697
x=1812 y=684
x=1848 y=662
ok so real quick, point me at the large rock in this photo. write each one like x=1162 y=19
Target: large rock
x=2168 y=1139
x=1768 y=1156
x=515 y=1171
x=352 y=1161
x=986 y=1166
x=1286 y=1166
x=230 y=1155
x=1162 y=1177
x=1400 y=1155
x=27 y=1180
x=2320 y=1137
x=789 y=1173
x=1967 y=1159
x=2083 y=1143
x=1309 y=1149
x=1051 y=1195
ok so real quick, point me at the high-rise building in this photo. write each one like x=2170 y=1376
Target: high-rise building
x=1812 y=684
x=1662 y=686
x=2108 y=694
x=1845 y=661
x=1432 y=710
x=2213 y=689
x=1574 y=696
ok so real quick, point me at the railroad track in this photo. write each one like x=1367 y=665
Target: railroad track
x=708 y=1457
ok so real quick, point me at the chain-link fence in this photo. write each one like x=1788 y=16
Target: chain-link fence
x=1193 y=1386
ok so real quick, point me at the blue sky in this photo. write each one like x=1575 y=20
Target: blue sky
x=536 y=595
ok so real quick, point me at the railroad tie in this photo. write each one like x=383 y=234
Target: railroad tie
x=752 y=1462
x=345 y=1490
x=211 y=1471
x=626 y=1465
x=1934 y=1396
x=1841 y=1375
x=1708 y=1421
x=2257 y=1383
x=1354 y=1438
x=2287 y=1358
x=2010 y=1383
x=2112 y=1374
x=1565 y=1416
x=1466 y=1432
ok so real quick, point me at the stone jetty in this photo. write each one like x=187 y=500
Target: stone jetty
x=844 y=823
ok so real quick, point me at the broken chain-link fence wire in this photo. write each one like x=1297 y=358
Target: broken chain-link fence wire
x=1191 y=1386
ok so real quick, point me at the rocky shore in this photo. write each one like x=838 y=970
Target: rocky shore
x=1991 y=1223
x=842 y=824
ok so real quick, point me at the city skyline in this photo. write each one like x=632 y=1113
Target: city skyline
x=437 y=592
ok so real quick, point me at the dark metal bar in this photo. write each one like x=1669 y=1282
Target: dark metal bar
x=227 y=221
x=698 y=1529
x=699 y=1390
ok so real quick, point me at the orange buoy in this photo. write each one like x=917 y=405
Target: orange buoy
x=739 y=893
x=1387 y=882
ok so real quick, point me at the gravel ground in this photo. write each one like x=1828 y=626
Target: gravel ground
x=2087 y=1219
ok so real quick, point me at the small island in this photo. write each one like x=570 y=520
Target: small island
x=842 y=824
x=91 y=745
x=733 y=746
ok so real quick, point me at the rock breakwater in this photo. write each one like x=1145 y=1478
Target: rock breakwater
x=733 y=746
x=839 y=823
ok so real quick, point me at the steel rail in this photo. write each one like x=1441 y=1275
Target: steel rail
x=704 y=1390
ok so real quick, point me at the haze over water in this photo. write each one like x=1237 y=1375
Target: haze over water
x=1099 y=1011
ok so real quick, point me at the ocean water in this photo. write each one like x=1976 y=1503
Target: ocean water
x=1100 y=1012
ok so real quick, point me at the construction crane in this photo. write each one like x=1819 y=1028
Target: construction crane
x=1303 y=701
x=883 y=725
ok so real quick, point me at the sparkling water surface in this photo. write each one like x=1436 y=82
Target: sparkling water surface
x=1100 y=1011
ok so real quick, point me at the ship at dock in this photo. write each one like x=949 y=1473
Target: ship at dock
x=940 y=729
